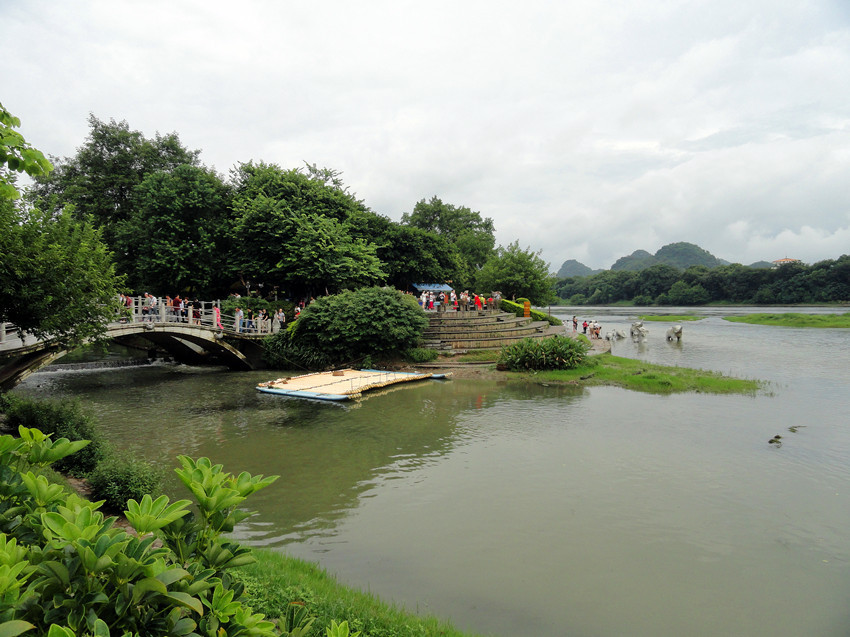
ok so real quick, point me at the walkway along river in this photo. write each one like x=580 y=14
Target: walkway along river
x=534 y=510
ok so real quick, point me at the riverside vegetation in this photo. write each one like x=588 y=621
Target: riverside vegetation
x=793 y=319
x=560 y=359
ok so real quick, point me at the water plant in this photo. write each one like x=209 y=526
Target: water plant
x=793 y=319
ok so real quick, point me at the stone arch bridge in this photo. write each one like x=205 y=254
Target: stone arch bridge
x=196 y=341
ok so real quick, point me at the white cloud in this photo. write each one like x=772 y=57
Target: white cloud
x=586 y=130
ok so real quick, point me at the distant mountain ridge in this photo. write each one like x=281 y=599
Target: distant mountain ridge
x=574 y=268
x=680 y=255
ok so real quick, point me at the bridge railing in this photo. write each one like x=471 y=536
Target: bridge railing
x=201 y=313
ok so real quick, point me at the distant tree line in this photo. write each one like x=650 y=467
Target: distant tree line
x=175 y=226
x=823 y=282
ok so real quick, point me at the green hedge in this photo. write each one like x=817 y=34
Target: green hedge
x=537 y=315
x=122 y=477
x=64 y=419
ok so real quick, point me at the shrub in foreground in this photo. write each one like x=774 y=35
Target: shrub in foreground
x=66 y=570
x=555 y=352
x=122 y=477
x=63 y=419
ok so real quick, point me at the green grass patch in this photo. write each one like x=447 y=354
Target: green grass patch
x=636 y=375
x=792 y=319
x=672 y=318
x=475 y=356
x=277 y=580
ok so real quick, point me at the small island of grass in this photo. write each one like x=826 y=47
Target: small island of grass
x=638 y=375
x=793 y=319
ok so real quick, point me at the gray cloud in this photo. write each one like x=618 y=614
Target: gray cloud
x=585 y=130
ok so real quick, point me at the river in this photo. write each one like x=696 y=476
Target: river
x=537 y=510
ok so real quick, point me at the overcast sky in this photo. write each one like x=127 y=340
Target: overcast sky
x=586 y=130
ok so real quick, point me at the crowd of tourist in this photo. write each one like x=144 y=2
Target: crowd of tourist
x=451 y=301
x=179 y=309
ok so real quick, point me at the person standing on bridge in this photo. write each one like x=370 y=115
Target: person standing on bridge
x=217 y=317
x=237 y=321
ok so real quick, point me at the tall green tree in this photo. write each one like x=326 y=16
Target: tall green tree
x=471 y=235
x=99 y=180
x=57 y=279
x=298 y=233
x=176 y=236
x=517 y=273
x=411 y=255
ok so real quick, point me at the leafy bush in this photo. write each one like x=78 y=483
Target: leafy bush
x=63 y=419
x=375 y=322
x=420 y=355
x=122 y=477
x=282 y=351
x=67 y=571
x=537 y=315
x=555 y=352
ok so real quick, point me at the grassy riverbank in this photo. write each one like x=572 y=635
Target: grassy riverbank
x=636 y=375
x=794 y=320
x=277 y=580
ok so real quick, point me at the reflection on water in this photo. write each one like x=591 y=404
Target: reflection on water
x=532 y=510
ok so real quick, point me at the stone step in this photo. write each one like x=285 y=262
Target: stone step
x=522 y=330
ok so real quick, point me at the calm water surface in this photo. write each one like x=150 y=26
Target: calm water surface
x=538 y=510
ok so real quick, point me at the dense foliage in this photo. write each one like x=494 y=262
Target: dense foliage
x=471 y=235
x=555 y=352
x=823 y=282
x=17 y=156
x=62 y=419
x=57 y=279
x=66 y=570
x=517 y=273
x=121 y=477
x=374 y=322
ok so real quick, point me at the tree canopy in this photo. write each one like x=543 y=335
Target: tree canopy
x=470 y=234
x=57 y=279
x=176 y=231
x=517 y=273
x=100 y=179
x=823 y=282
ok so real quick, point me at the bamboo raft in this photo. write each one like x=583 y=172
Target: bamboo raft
x=344 y=384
